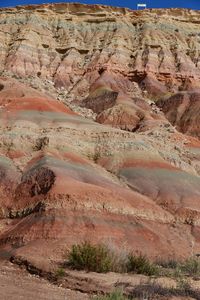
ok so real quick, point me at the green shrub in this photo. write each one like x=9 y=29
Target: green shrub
x=141 y=265
x=96 y=258
x=99 y=258
x=60 y=272
x=191 y=266
x=154 y=290
x=117 y=295
x=168 y=264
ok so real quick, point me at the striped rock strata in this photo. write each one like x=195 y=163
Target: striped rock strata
x=130 y=178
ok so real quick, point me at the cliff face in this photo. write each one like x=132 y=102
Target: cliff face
x=131 y=177
x=73 y=45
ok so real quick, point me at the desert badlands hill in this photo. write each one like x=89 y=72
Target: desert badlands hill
x=100 y=129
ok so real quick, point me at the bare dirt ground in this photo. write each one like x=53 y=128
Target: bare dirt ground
x=17 y=284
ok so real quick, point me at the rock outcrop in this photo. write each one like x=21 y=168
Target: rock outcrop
x=183 y=111
x=75 y=46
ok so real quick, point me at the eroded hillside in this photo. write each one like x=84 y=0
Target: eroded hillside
x=99 y=125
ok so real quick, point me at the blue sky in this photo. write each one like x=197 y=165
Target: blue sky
x=195 y=4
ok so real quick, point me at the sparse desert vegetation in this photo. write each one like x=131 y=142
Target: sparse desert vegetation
x=116 y=295
x=140 y=264
x=152 y=291
x=191 y=266
x=60 y=272
x=99 y=258
x=96 y=258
